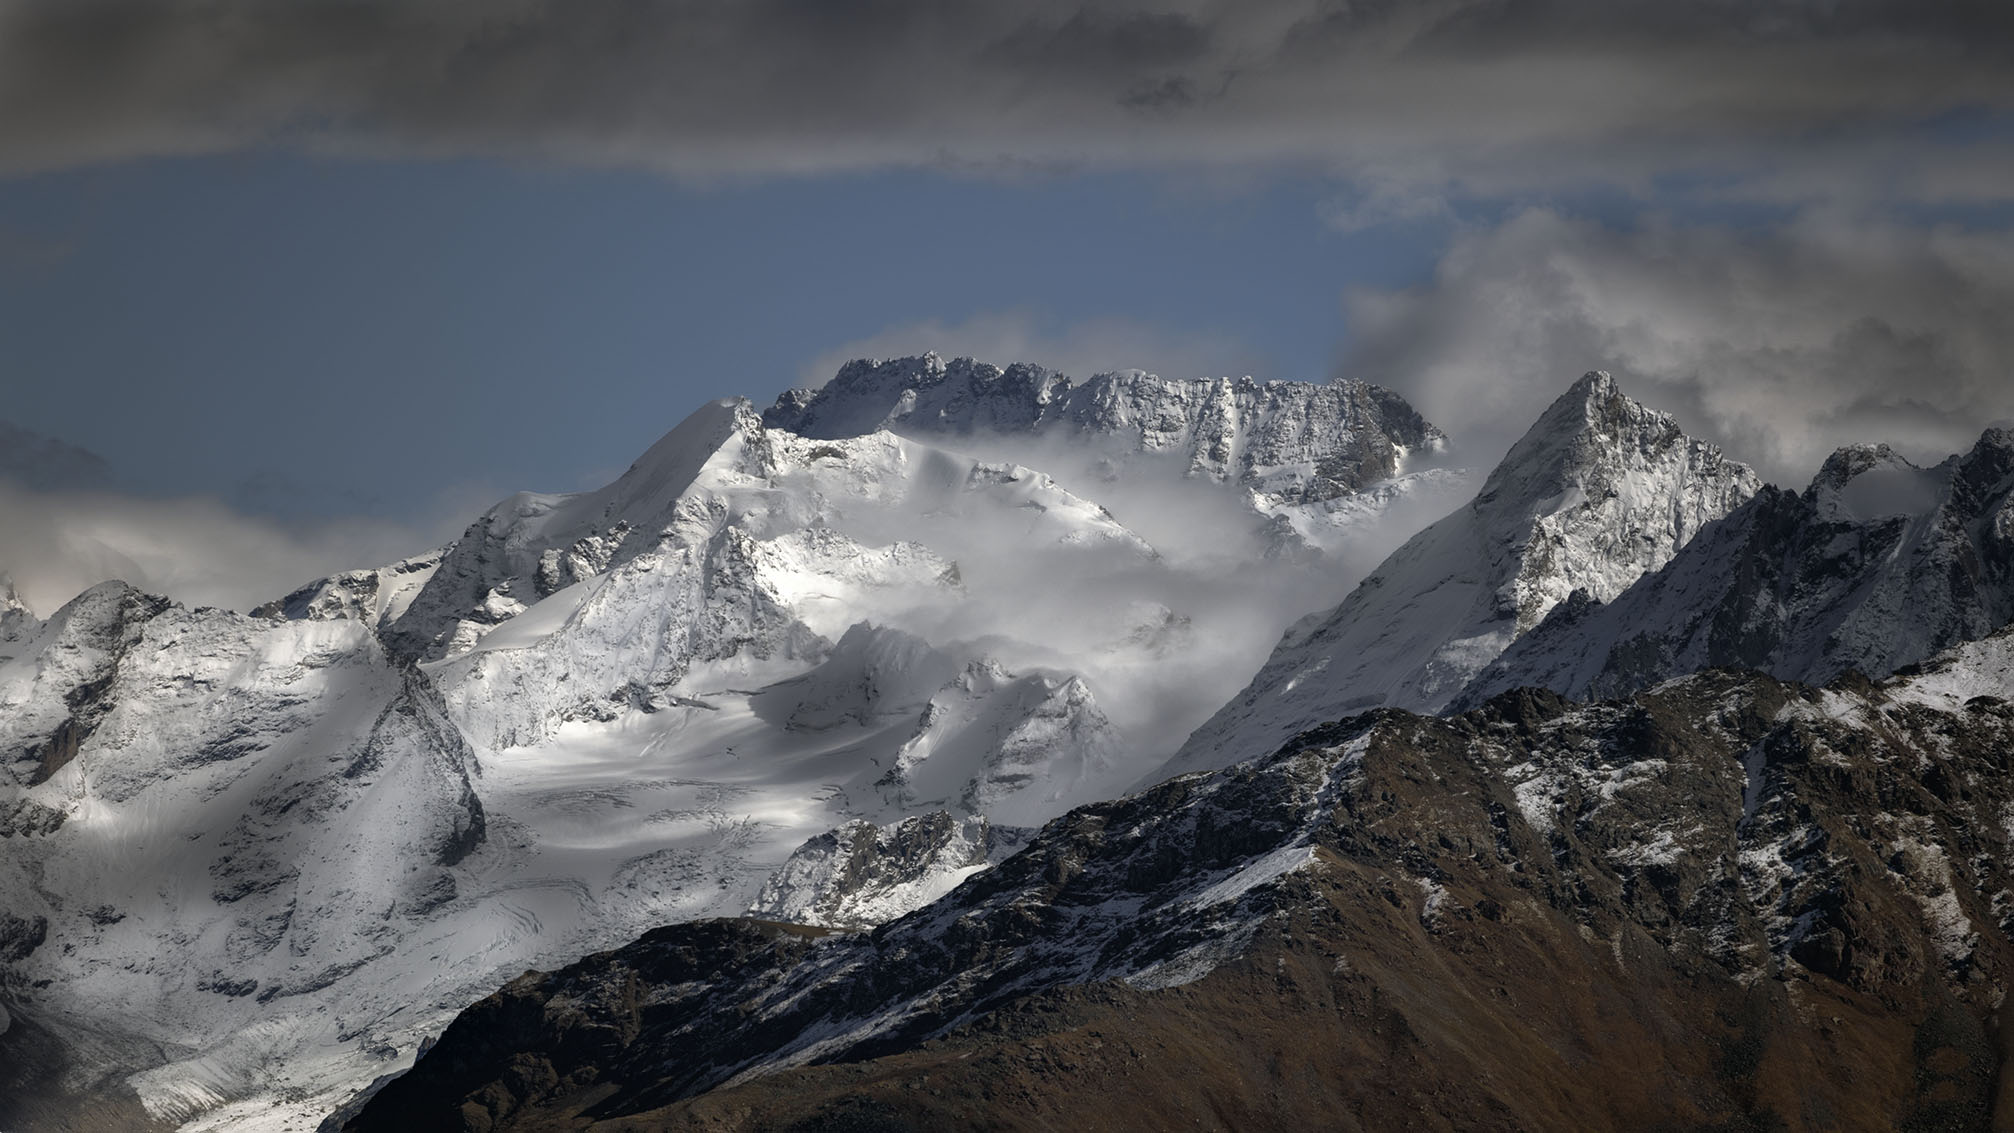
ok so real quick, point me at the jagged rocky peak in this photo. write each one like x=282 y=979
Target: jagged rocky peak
x=49 y=708
x=10 y=599
x=1598 y=492
x=1295 y=440
x=1878 y=564
x=924 y=392
x=17 y=621
x=376 y=597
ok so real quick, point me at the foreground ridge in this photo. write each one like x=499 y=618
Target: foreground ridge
x=1729 y=901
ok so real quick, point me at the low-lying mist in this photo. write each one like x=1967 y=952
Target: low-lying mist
x=198 y=551
x=1162 y=638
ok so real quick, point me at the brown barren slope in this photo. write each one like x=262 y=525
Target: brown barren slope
x=1726 y=904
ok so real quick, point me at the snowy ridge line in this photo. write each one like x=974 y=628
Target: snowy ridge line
x=1283 y=438
x=1598 y=492
x=1877 y=565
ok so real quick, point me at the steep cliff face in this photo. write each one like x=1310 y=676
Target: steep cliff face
x=217 y=827
x=1877 y=565
x=1598 y=492
x=1731 y=902
x=1297 y=441
x=1322 y=463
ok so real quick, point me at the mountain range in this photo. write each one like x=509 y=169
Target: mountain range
x=1619 y=790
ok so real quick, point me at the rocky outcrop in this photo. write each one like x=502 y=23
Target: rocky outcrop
x=860 y=875
x=1728 y=903
x=377 y=597
x=1293 y=441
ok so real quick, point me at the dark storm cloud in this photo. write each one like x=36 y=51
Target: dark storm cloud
x=1484 y=95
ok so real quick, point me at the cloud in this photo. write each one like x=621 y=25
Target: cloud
x=46 y=463
x=1080 y=349
x=1780 y=344
x=197 y=551
x=1484 y=95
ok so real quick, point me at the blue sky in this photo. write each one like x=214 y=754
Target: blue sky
x=292 y=332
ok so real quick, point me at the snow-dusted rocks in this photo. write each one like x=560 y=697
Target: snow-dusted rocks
x=1598 y=492
x=228 y=825
x=1730 y=899
x=860 y=875
x=376 y=597
x=1877 y=565
x=1291 y=449
x=50 y=706
x=959 y=730
x=1288 y=439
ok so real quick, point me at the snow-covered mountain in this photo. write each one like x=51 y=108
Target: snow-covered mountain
x=253 y=859
x=218 y=829
x=1296 y=451
x=842 y=661
x=1598 y=492
x=1877 y=565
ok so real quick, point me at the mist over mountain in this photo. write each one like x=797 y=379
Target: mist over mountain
x=870 y=674
x=1081 y=564
x=594 y=713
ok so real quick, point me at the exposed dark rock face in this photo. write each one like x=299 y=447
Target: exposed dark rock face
x=1351 y=434
x=1730 y=903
